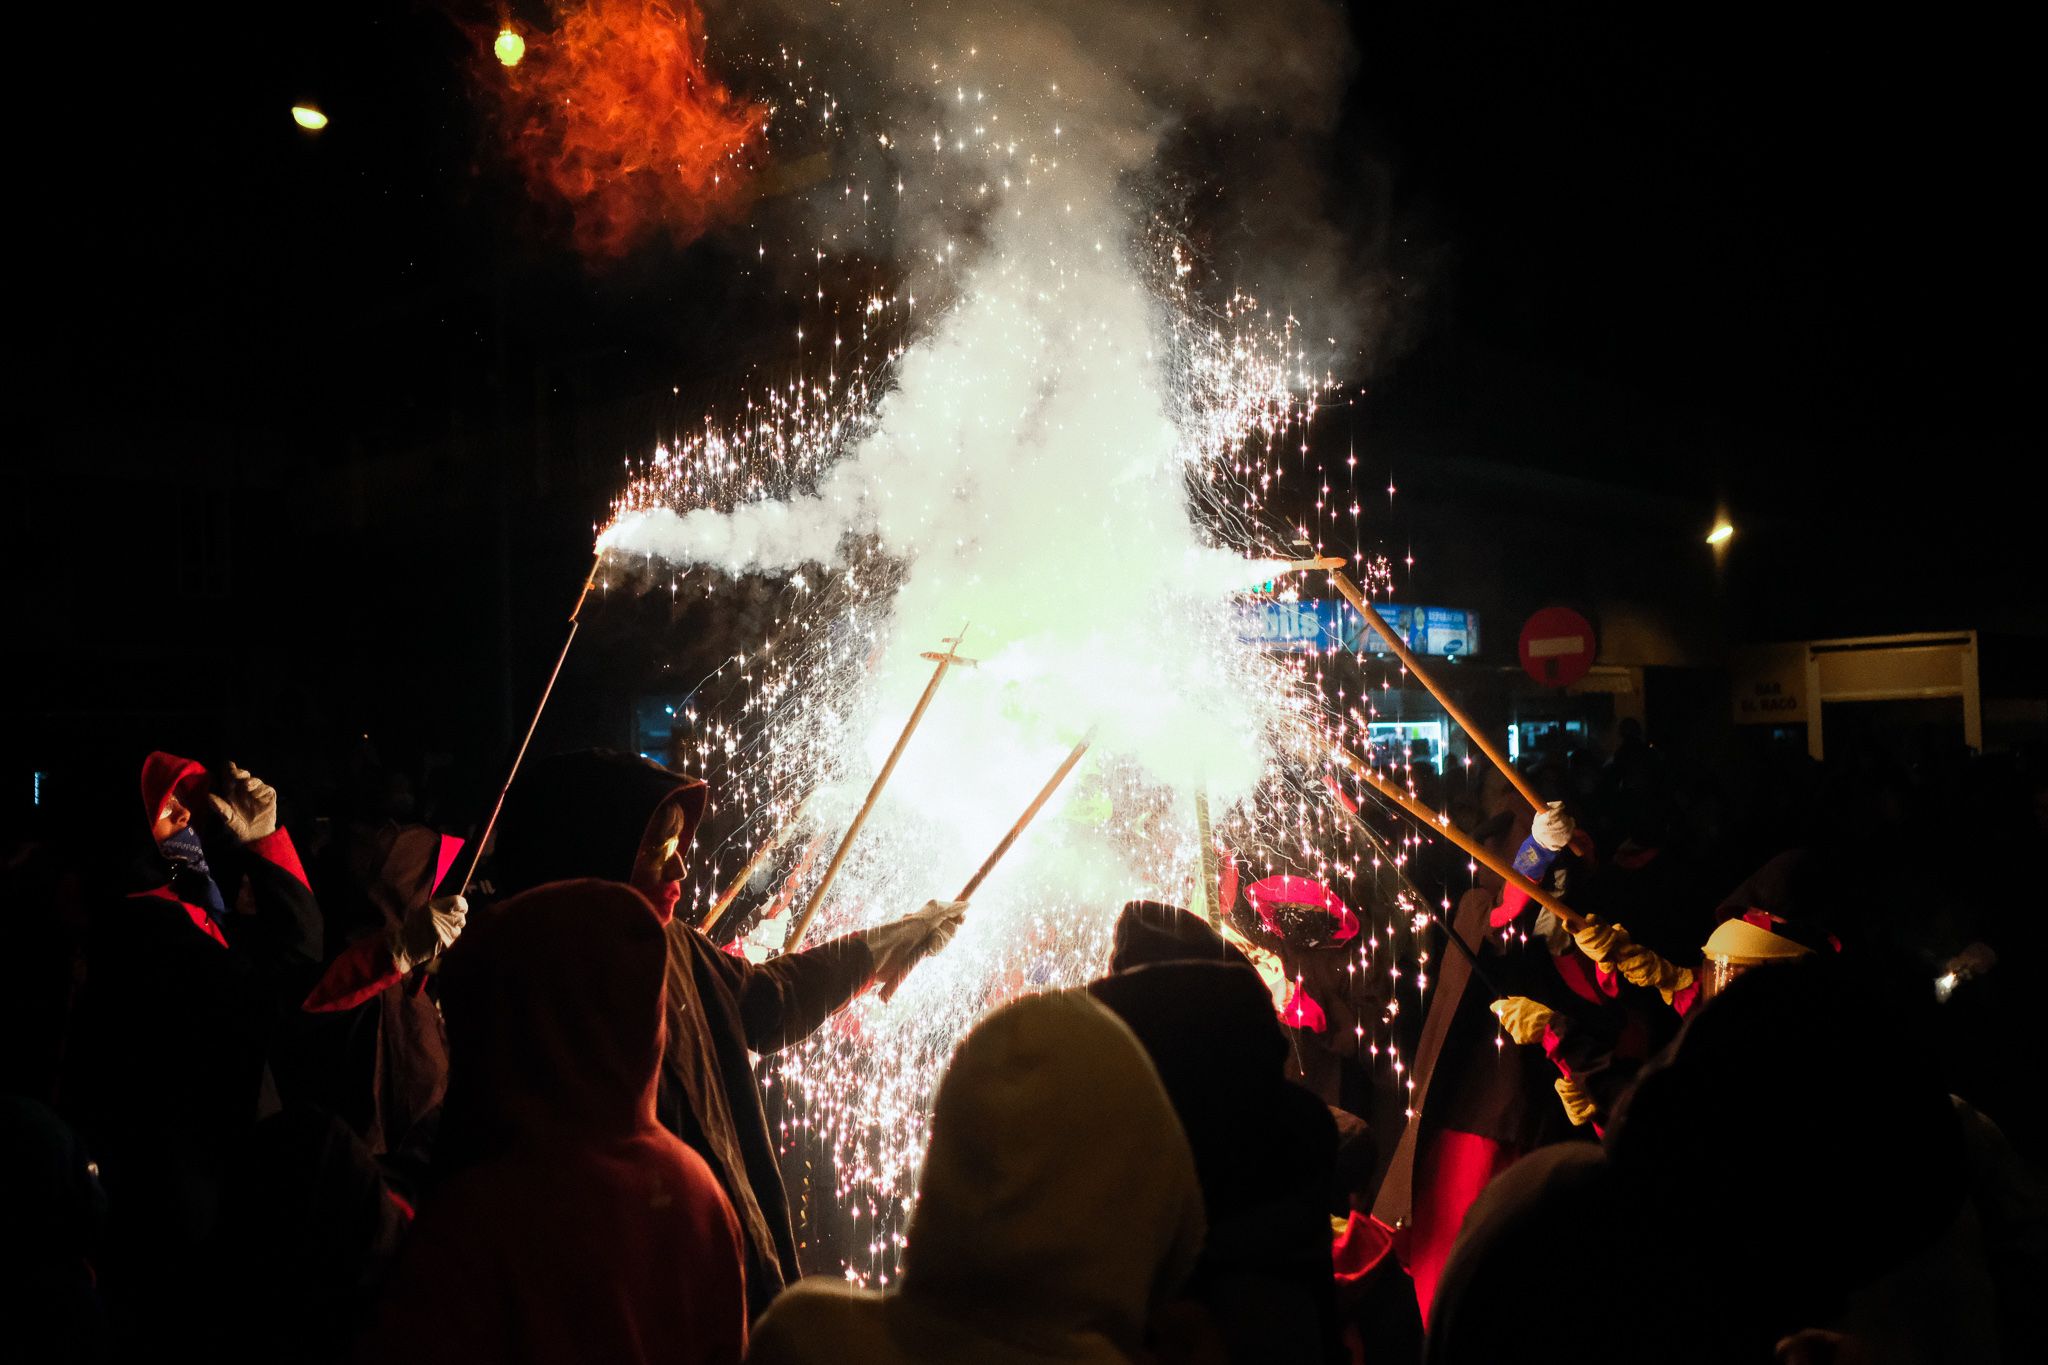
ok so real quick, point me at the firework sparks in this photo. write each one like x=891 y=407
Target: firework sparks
x=1078 y=455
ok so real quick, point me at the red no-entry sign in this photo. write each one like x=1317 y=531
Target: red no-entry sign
x=1557 y=646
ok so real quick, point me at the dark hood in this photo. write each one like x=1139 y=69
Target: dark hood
x=554 y=1009
x=1210 y=1031
x=1149 y=932
x=583 y=814
x=377 y=872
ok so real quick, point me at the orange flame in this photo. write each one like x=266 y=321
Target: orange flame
x=614 y=116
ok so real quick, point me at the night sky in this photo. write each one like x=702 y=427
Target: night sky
x=1784 y=261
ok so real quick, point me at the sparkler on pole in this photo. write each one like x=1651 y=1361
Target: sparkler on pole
x=1451 y=708
x=483 y=839
x=1206 y=863
x=944 y=661
x=1386 y=855
x=746 y=874
x=1441 y=824
x=1044 y=794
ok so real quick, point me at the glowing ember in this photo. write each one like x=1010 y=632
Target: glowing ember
x=307 y=117
x=509 y=47
x=615 y=116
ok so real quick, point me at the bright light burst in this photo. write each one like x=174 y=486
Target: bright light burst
x=1075 y=458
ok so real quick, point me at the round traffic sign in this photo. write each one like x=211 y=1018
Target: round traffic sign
x=1557 y=646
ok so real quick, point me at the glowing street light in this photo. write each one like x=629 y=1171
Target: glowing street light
x=309 y=118
x=1720 y=534
x=510 y=47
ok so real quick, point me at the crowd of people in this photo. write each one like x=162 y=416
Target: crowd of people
x=1758 y=1091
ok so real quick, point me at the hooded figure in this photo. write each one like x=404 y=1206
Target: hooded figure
x=577 y=1228
x=1265 y=1152
x=189 y=977
x=1057 y=1212
x=597 y=814
x=378 y=1061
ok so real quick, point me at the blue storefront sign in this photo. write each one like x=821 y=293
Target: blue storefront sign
x=1445 y=632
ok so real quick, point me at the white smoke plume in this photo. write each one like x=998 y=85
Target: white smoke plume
x=1029 y=461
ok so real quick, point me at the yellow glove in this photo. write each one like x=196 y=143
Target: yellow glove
x=1578 y=1105
x=1614 y=951
x=1641 y=967
x=1684 y=979
x=1601 y=941
x=1524 y=1019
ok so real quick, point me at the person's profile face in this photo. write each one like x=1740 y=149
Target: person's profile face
x=170 y=818
x=658 y=867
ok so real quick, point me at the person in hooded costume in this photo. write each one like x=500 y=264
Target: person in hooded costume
x=570 y=1225
x=371 y=1044
x=1058 y=1212
x=622 y=817
x=1264 y=1147
x=189 y=976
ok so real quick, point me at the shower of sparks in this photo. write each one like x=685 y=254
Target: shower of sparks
x=811 y=709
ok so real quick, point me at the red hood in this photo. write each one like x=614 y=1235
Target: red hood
x=165 y=775
x=554 y=1005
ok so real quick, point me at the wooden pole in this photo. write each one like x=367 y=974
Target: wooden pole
x=1206 y=868
x=860 y=817
x=1038 y=801
x=497 y=807
x=1306 y=565
x=1441 y=824
x=1386 y=855
x=746 y=874
x=1451 y=708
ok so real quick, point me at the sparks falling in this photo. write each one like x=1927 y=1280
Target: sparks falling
x=1072 y=460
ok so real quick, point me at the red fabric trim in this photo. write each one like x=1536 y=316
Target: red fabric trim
x=401 y=1203
x=199 y=917
x=1360 y=1248
x=451 y=848
x=1301 y=1011
x=1276 y=891
x=1513 y=900
x=1551 y=1043
x=1451 y=1168
x=364 y=971
x=276 y=849
x=1585 y=979
x=1684 y=1000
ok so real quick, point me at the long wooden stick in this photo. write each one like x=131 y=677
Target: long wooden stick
x=1206 y=867
x=1387 y=856
x=1441 y=824
x=1451 y=708
x=1038 y=801
x=860 y=817
x=483 y=839
x=746 y=874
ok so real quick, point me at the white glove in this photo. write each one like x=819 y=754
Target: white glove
x=1553 y=828
x=903 y=944
x=428 y=929
x=247 y=805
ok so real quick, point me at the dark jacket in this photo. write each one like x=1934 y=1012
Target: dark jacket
x=373 y=1047
x=1265 y=1152
x=168 y=1064
x=583 y=814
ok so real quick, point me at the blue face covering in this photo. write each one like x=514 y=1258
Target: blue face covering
x=186 y=852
